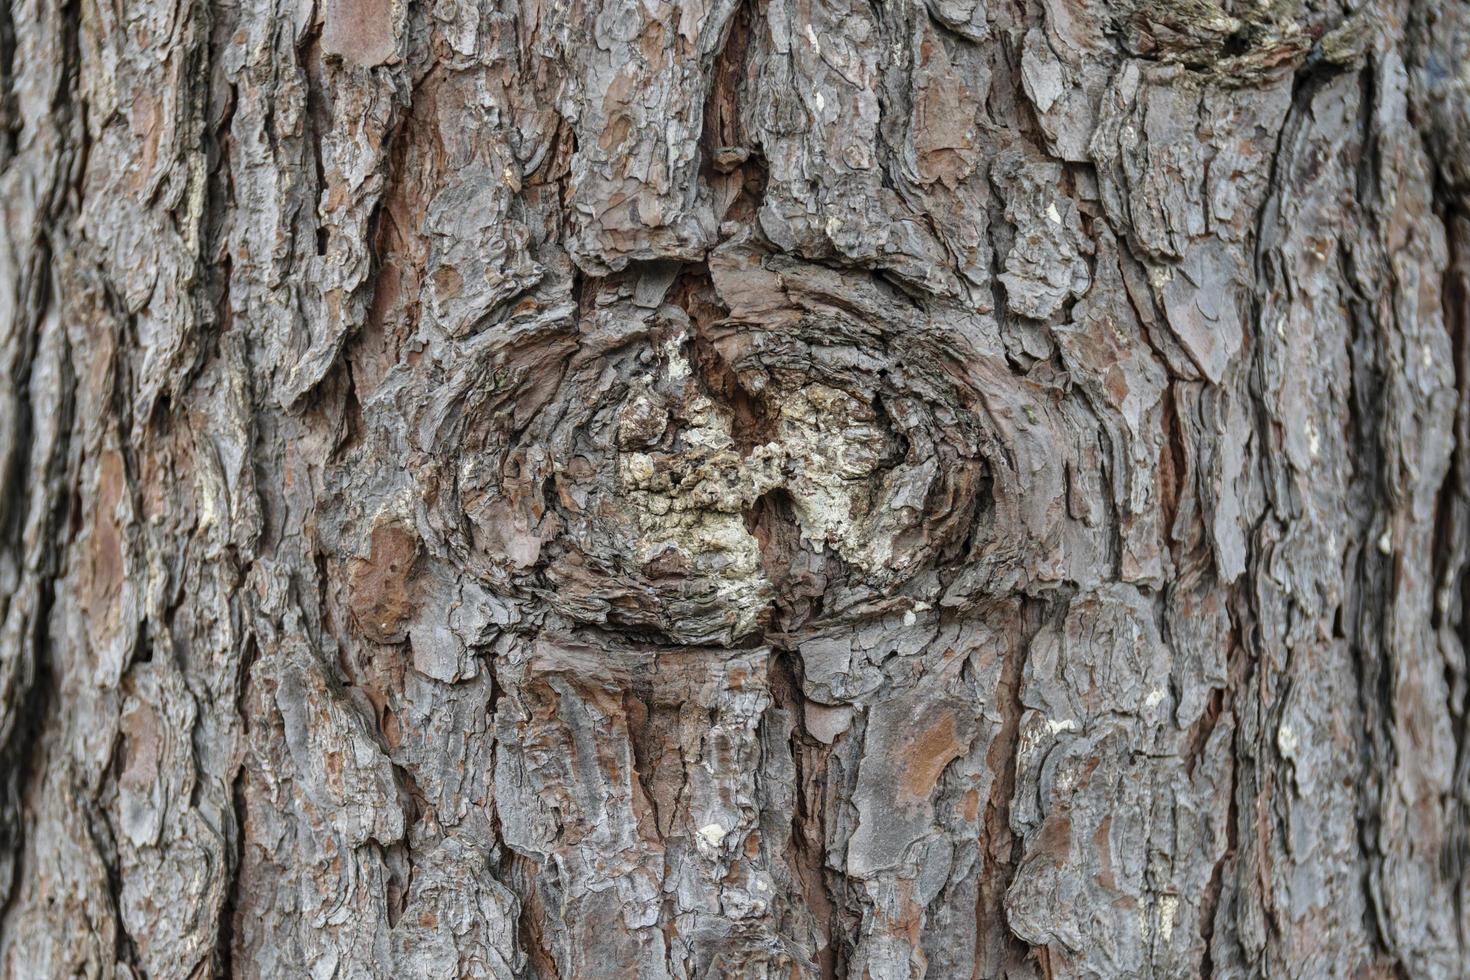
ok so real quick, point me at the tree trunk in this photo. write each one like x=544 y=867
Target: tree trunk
x=741 y=488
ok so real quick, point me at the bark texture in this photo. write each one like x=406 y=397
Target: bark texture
x=734 y=488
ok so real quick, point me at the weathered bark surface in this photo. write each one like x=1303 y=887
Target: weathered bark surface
x=737 y=488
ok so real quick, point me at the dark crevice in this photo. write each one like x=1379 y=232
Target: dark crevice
x=799 y=573
x=9 y=123
x=1372 y=572
x=644 y=729
x=23 y=760
x=722 y=141
x=1223 y=704
x=37 y=687
x=224 y=947
x=125 y=948
x=752 y=422
x=1173 y=468
x=999 y=951
x=806 y=853
x=316 y=122
x=525 y=879
x=1451 y=583
x=1203 y=728
x=35 y=694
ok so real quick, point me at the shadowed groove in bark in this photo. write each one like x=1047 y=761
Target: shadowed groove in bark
x=1433 y=40
x=8 y=122
x=1452 y=586
x=1003 y=950
x=32 y=477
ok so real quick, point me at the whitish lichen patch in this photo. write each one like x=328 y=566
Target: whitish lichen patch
x=690 y=499
x=836 y=445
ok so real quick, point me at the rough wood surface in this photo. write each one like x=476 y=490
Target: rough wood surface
x=734 y=488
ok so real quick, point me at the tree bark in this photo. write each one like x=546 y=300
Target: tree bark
x=737 y=488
